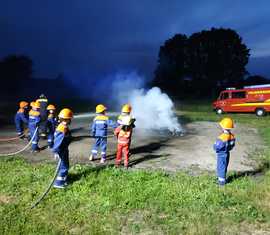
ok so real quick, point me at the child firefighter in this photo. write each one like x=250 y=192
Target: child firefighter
x=21 y=118
x=99 y=130
x=62 y=139
x=126 y=111
x=223 y=145
x=51 y=124
x=33 y=123
x=124 y=134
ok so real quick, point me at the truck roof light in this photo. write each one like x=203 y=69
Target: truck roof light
x=258 y=86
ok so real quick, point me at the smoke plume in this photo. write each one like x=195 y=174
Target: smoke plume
x=152 y=109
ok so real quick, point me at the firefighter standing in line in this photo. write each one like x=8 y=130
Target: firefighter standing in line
x=62 y=139
x=34 y=120
x=223 y=145
x=99 y=130
x=21 y=118
x=51 y=124
x=124 y=134
x=43 y=115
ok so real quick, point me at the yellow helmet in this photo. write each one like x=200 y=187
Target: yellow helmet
x=36 y=105
x=126 y=108
x=100 y=108
x=51 y=107
x=226 y=123
x=23 y=104
x=66 y=114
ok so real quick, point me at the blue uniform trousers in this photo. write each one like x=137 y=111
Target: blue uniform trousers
x=19 y=126
x=61 y=179
x=35 y=140
x=50 y=139
x=100 y=142
x=222 y=166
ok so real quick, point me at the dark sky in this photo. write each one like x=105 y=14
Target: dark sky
x=94 y=37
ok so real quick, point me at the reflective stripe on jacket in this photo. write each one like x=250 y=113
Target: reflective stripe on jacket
x=100 y=125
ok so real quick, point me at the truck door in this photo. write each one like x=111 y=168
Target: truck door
x=223 y=101
x=238 y=98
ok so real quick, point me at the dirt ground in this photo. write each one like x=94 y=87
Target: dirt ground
x=153 y=150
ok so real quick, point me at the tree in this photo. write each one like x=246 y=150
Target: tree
x=210 y=59
x=172 y=62
x=15 y=71
x=217 y=58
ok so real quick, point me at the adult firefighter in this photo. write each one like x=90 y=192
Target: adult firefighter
x=43 y=115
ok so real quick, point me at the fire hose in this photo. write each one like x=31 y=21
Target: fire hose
x=24 y=148
x=53 y=179
x=49 y=186
x=13 y=138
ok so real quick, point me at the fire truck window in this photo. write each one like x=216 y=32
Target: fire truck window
x=224 y=96
x=239 y=95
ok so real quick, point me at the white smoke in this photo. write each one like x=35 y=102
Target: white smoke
x=152 y=109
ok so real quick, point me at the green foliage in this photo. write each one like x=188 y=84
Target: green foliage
x=202 y=63
x=113 y=201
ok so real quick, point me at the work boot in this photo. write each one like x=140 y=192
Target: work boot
x=50 y=146
x=21 y=136
x=91 y=157
x=37 y=150
x=60 y=186
x=221 y=183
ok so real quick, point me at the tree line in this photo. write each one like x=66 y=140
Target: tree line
x=203 y=64
x=17 y=81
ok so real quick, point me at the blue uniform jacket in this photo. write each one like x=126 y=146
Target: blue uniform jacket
x=52 y=122
x=21 y=117
x=224 y=143
x=43 y=108
x=34 y=119
x=100 y=126
x=62 y=139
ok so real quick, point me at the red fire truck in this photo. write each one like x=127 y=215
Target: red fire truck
x=250 y=99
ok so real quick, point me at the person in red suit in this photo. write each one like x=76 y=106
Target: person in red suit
x=123 y=134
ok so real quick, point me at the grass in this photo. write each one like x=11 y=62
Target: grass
x=114 y=201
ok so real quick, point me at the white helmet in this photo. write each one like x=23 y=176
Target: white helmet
x=126 y=121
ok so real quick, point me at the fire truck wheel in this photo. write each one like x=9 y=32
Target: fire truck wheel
x=219 y=111
x=260 y=112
